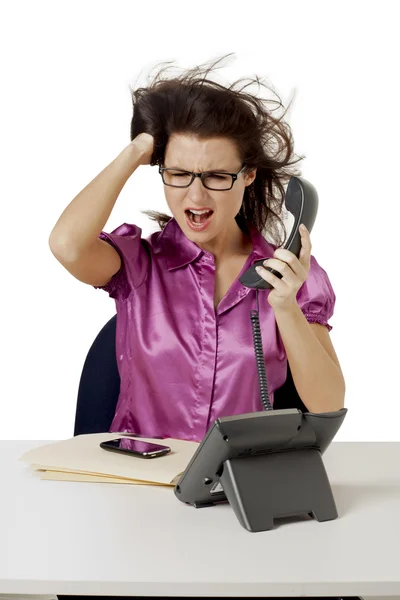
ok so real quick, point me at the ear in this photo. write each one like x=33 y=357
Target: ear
x=250 y=177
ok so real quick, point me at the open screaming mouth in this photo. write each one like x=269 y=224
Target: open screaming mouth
x=199 y=219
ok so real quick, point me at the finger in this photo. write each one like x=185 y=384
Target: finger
x=277 y=283
x=305 y=237
x=290 y=270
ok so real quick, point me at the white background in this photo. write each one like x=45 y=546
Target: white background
x=66 y=68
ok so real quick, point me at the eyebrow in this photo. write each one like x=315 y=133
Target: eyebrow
x=206 y=171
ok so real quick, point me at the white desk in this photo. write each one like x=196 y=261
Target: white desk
x=89 y=538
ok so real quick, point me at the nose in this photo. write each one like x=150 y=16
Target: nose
x=196 y=190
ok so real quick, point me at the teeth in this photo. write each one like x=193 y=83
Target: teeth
x=199 y=212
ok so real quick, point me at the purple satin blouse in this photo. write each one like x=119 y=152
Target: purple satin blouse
x=183 y=363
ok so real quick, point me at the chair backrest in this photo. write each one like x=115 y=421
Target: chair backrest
x=100 y=384
x=287 y=396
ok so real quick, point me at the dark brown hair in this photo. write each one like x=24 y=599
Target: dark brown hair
x=195 y=105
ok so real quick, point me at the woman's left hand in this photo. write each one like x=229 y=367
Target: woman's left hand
x=294 y=273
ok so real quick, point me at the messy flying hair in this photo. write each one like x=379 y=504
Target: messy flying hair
x=194 y=105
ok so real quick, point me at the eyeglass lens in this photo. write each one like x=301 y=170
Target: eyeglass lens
x=216 y=181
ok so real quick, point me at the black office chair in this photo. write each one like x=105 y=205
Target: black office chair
x=100 y=383
x=99 y=390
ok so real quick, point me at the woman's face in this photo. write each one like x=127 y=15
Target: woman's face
x=215 y=154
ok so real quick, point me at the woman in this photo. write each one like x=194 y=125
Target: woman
x=184 y=341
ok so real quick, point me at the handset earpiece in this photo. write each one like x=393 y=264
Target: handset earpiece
x=301 y=199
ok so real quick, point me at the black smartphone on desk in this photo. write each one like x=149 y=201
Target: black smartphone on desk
x=136 y=448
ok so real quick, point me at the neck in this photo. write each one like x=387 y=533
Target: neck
x=229 y=243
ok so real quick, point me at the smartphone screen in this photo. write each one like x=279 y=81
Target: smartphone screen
x=136 y=447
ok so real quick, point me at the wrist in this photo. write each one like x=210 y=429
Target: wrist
x=288 y=309
x=131 y=155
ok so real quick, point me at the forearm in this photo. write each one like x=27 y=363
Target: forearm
x=318 y=379
x=84 y=218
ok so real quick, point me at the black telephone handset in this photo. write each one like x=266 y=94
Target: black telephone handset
x=301 y=199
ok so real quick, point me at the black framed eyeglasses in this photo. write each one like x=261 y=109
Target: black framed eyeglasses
x=212 y=180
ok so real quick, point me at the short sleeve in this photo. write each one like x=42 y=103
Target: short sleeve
x=127 y=241
x=316 y=297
